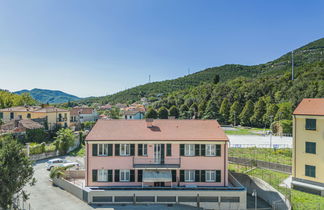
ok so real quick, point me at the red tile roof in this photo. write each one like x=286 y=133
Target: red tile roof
x=310 y=106
x=166 y=130
x=81 y=110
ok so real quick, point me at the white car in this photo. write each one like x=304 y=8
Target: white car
x=55 y=162
x=71 y=164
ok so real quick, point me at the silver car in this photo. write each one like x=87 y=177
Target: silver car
x=54 y=163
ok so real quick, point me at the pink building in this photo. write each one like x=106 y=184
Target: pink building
x=158 y=153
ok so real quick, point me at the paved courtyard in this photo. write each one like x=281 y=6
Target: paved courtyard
x=45 y=196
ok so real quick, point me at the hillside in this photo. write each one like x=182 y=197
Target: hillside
x=49 y=96
x=310 y=53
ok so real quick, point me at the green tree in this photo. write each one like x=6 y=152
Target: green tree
x=235 y=111
x=270 y=114
x=284 y=112
x=225 y=110
x=184 y=111
x=16 y=171
x=64 y=140
x=201 y=109
x=36 y=135
x=174 y=111
x=259 y=111
x=211 y=111
x=246 y=113
x=151 y=113
x=193 y=110
x=216 y=79
x=58 y=172
x=114 y=113
x=163 y=113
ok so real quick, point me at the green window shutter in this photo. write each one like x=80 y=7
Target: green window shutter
x=94 y=149
x=310 y=124
x=132 y=176
x=203 y=176
x=110 y=148
x=116 y=175
x=197 y=176
x=94 y=175
x=182 y=149
x=132 y=149
x=203 y=150
x=117 y=149
x=310 y=147
x=169 y=150
x=139 y=175
x=218 y=176
x=218 y=150
x=110 y=175
x=140 y=149
x=174 y=175
x=197 y=148
x=182 y=178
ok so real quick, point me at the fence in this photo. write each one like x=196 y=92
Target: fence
x=261 y=164
x=274 y=146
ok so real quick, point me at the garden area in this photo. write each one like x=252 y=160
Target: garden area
x=282 y=156
x=298 y=199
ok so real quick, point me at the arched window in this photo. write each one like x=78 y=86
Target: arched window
x=28 y=116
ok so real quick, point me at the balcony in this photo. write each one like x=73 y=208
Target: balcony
x=152 y=163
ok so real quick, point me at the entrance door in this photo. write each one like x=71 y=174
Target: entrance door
x=159 y=153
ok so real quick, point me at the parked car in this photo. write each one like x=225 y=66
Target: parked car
x=71 y=164
x=55 y=162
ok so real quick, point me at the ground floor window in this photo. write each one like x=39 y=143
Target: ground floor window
x=189 y=175
x=310 y=170
x=102 y=175
x=124 y=175
x=210 y=176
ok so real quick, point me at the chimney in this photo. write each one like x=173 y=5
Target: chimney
x=149 y=122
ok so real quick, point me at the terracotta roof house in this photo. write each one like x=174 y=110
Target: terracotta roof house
x=160 y=158
x=83 y=114
x=308 y=141
x=20 y=126
x=52 y=115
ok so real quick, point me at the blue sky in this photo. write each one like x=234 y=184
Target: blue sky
x=94 y=48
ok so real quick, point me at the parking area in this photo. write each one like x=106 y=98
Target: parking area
x=43 y=195
x=260 y=141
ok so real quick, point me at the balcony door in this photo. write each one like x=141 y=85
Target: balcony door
x=159 y=153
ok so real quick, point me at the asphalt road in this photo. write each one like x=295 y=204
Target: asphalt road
x=45 y=196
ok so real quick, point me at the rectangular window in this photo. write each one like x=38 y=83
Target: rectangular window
x=218 y=175
x=124 y=150
x=311 y=124
x=210 y=150
x=102 y=149
x=189 y=150
x=169 y=150
x=210 y=176
x=12 y=115
x=189 y=175
x=142 y=149
x=310 y=170
x=1 y=115
x=124 y=175
x=102 y=175
x=310 y=147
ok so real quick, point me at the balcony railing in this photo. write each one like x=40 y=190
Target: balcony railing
x=145 y=162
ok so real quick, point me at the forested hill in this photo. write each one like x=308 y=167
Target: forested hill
x=310 y=53
x=8 y=99
x=49 y=96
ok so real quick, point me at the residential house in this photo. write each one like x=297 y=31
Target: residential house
x=52 y=115
x=179 y=157
x=83 y=114
x=135 y=114
x=19 y=126
x=308 y=143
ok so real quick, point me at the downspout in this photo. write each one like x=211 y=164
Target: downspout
x=87 y=169
x=294 y=137
x=225 y=168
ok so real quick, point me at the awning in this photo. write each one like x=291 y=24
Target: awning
x=157 y=176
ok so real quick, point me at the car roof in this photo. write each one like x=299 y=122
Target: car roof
x=55 y=159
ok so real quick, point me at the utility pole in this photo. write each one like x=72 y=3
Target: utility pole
x=292 y=65
x=188 y=71
x=149 y=78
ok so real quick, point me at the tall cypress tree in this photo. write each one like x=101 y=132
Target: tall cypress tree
x=247 y=113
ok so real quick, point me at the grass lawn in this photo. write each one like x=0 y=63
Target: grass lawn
x=282 y=156
x=246 y=131
x=299 y=200
x=78 y=152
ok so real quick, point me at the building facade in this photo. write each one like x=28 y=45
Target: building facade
x=158 y=153
x=83 y=114
x=52 y=116
x=308 y=142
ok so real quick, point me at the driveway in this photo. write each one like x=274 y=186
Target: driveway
x=43 y=195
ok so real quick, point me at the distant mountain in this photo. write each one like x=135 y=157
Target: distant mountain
x=308 y=54
x=49 y=96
